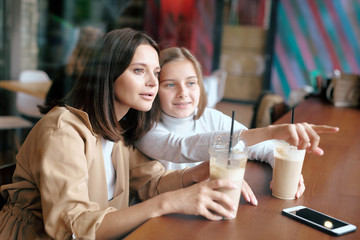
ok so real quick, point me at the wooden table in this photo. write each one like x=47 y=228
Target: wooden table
x=332 y=186
x=37 y=89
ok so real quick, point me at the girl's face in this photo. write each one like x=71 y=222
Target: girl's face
x=137 y=86
x=179 y=91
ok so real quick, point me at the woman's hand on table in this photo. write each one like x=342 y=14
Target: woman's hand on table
x=248 y=193
x=204 y=199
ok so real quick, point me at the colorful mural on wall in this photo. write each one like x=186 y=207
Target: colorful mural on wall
x=183 y=23
x=314 y=35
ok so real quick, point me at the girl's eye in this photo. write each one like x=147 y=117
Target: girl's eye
x=191 y=83
x=170 y=85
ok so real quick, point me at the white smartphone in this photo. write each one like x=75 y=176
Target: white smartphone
x=319 y=220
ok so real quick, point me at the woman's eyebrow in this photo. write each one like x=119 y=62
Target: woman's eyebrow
x=138 y=63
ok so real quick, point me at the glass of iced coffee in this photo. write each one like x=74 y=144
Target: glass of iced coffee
x=226 y=163
x=287 y=170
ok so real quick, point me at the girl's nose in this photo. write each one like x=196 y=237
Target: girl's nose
x=182 y=93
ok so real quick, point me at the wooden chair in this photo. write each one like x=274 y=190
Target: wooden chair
x=278 y=110
x=268 y=108
x=6 y=173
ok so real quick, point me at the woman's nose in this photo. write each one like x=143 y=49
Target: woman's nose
x=152 y=81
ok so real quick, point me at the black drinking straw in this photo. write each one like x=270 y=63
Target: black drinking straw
x=292 y=115
x=231 y=134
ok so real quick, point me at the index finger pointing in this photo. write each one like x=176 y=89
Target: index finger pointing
x=324 y=128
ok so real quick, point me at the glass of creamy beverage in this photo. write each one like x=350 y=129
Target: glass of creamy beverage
x=225 y=164
x=287 y=170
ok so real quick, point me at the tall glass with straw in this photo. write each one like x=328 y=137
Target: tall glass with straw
x=287 y=168
x=228 y=157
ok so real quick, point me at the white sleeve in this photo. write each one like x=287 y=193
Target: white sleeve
x=263 y=152
x=161 y=144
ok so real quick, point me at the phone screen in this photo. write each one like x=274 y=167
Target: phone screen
x=319 y=218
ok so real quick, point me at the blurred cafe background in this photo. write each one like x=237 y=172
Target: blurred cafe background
x=257 y=55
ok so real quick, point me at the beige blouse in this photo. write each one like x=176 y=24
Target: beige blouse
x=59 y=186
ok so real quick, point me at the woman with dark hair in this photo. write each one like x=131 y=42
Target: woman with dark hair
x=77 y=168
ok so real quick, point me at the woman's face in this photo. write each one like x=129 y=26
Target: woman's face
x=179 y=91
x=137 y=86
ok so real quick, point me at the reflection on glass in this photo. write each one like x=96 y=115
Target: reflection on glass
x=328 y=224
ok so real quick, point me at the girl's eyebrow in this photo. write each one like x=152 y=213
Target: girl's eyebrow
x=173 y=80
x=167 y=80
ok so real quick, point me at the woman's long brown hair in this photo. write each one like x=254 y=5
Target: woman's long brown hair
x=94 y=90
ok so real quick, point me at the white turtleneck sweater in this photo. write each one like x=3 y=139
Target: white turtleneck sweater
x=184 y=142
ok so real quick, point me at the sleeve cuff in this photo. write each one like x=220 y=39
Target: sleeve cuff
x=171 y=180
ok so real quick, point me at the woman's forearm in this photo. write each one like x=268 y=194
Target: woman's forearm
x=121 y=222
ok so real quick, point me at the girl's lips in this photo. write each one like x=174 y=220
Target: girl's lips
x=182 y=104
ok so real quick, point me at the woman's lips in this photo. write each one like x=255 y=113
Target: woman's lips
x=147 y=96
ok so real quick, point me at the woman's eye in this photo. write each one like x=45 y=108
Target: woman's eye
x=170 y=85
x=139 y=71
x=157 y=74
x=191 y=83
